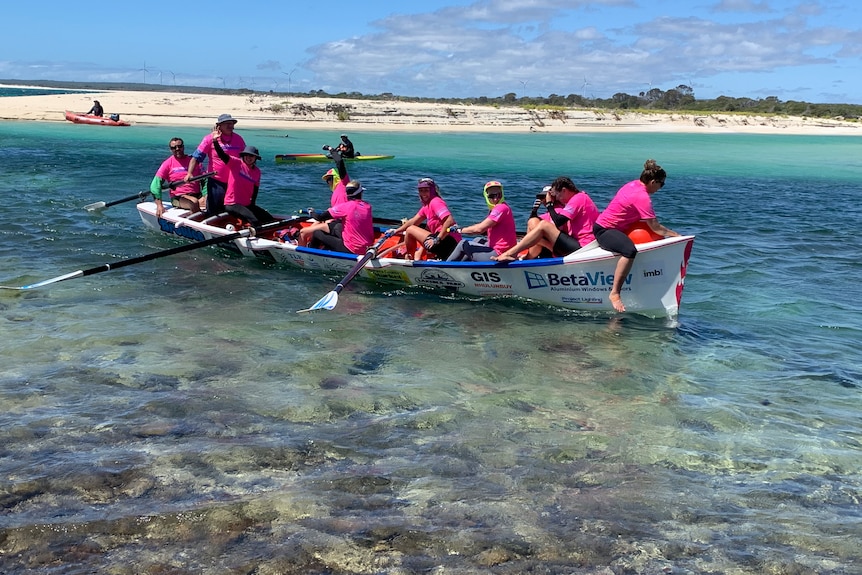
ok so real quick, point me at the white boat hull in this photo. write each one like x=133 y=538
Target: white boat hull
x=580 y=281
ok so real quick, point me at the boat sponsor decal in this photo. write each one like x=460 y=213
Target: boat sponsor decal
x=683 y=267
x=438 y=279
x=490 y=280
x=295 y=259
x=264 y=255
x=592 y=300
x=386 y=275
x=595 y=281
x=653 y=270
x=534 y=280
x=182 y=231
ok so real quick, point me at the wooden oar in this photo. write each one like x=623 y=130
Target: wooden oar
x=330 y=300
x=141 y=195
x=164 y=253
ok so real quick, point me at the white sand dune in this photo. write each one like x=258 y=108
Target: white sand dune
x=276 y=111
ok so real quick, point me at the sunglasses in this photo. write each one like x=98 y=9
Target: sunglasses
x=178 y=147
x=495 y=196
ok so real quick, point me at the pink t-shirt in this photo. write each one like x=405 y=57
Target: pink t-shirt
x=358 y=234
x=232 y=146
x=502 y=235
x=630 y=204
x=582 y=214
x=339 y=192
x=174 y=170
x=241 y=181
x=435 y=212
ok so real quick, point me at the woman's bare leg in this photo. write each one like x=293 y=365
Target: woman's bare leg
x=624 y=266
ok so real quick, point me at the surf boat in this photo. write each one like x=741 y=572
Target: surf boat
x=580 y=281
x=113 y=120
x=306 y=158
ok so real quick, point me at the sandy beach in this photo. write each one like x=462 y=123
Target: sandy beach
x=277 y=111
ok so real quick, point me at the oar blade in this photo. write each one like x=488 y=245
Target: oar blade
x=330 y=300
x=102 y=205
x=69 y=276
x=327 y=302
x=95 y=206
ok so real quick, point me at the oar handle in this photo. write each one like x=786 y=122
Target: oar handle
x=369 y=255
x=139 y=196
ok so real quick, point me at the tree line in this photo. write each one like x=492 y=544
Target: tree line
x=679 y=99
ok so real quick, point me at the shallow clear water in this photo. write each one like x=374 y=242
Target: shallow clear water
x=178 y=416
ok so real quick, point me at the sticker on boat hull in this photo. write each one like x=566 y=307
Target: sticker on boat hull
x=386 y=275
x=439 y=279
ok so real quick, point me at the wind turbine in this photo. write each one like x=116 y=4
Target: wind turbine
x=289 y=74
x=144 y=70
x=584 y=88
x=524 y=84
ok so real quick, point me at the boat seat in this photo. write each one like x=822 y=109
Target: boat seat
x=195 y=217
x=210 y=221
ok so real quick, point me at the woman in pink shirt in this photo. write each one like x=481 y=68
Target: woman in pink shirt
x=350 y=227
x=435 y=237
x=243 y=184
x=499 y=225
x=567 y=229
x=631 y=204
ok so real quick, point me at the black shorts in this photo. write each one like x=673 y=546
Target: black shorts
x=565 y=245
x=615 y=241
x=444 y=248
x=332 y=239
x=215 y=196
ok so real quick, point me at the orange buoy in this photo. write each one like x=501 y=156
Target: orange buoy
x=640 y=233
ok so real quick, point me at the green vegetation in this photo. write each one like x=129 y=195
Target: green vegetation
x=679 y=99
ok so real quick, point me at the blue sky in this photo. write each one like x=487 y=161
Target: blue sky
x=808 y=50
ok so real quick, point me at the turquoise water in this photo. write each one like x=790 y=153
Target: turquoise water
x=9 y=91
x=177 y=416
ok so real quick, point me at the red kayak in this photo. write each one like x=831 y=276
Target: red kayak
x=97 y=120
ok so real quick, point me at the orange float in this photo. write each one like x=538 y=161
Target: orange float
x=640 y=233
